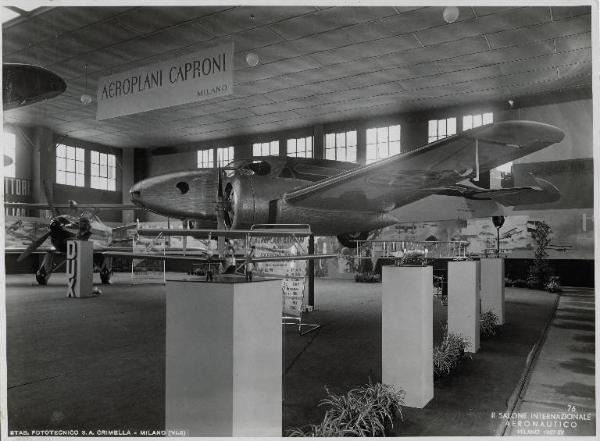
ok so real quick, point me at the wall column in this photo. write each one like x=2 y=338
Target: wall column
x=318 y=141
x=127 y=163
x=43 y=163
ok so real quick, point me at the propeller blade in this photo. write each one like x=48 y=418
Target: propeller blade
x=34 y=246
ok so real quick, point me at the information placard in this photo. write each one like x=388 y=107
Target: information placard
x=293 y=295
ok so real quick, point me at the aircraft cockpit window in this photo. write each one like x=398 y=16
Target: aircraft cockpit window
x=260 y=168
x=183 y=187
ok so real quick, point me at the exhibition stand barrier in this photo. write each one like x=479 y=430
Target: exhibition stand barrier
x=148 y=270
x=407 y=332
x=223 y=358
x=294 y=301
x=464 y=302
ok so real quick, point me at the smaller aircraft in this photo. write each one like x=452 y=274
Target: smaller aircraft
x=510 y=233
x=78 y=225
x=560 y=248
x=64 y=227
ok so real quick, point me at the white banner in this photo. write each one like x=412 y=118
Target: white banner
x=192 y=77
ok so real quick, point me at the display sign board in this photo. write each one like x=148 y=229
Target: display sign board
x=294 y=272
x=293 y=295
x=190 y=78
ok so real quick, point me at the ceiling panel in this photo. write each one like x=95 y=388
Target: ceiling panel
x=575 y=41
x=370 y=48
x=328 y=20
x=237 y=19
x=418 y=20
x=496 y=56
x=481 y=11
x=544 y=31
x=317 y=64
x=484 y=25
x=437 y=52
x=562 y=12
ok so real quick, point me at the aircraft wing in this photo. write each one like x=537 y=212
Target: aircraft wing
x=542 y=192
x=21 y=250
x=407 y=177
x=36 y=206
x=213 y=233
x=216 y=260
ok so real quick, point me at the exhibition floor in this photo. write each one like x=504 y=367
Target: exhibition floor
x=98 y=363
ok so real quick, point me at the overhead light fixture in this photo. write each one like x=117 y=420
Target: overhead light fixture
x=85 y=98
x=252 y=59
x=450 y=14
x=511 y=103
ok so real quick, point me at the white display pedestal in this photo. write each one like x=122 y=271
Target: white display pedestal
x=407 y=331
x=224 y=358
x=80 y=268
x=464 y=301
x=492 y=287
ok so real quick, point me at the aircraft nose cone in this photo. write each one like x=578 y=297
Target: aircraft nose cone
x=135 y=194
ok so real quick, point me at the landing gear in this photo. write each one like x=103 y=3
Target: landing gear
x=105 y=276
x=42 y=276
x=106 y=270
x=45 y=270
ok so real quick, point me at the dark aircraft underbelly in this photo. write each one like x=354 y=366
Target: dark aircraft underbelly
x=328 y=222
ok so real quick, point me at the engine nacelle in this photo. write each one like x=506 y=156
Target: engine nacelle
x=246 y=202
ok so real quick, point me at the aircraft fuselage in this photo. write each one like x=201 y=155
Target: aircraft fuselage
x=253 y=191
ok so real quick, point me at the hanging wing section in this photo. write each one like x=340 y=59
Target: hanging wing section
x=541 y=191
x=407 y=177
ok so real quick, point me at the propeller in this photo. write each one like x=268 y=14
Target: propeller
x=219 y=212
x=34 y=246
x=220 y=201
x=225 y=211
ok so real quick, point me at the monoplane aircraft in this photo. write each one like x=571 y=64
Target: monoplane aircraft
x=81 y=222
x=60 y=229
x=349 y=200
